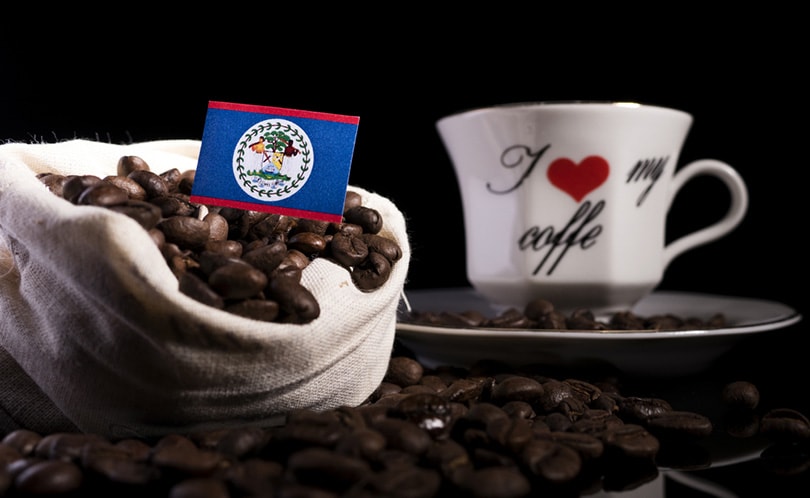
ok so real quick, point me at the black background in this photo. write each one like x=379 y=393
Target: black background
x=143 y=76
x=128 y=82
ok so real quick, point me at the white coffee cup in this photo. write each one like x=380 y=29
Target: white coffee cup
x=569 y=200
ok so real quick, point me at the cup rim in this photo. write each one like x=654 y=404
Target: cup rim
x=574 y=103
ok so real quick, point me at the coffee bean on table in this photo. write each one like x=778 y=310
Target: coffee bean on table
x=785 y=424
x=740 y=395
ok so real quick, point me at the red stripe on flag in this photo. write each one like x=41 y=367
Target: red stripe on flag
x=281 y=111
x=249 y=206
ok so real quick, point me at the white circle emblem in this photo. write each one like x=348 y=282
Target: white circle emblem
x=273 y=160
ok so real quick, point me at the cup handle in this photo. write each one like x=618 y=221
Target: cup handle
x=732 y=218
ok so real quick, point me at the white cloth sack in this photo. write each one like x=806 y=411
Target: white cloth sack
x=95 y=335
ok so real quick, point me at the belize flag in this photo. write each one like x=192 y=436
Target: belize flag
x=275 y=160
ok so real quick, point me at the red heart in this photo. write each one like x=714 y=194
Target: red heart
x=578 y=180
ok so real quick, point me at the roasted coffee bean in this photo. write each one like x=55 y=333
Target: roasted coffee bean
x=588 y=446
x=103 y=194
x=347 y=249
x=428 y=411
x=410 y=481
x=54 y=182
x=146 y=214
x=631 y=440
x=785 y=424
x=309 y=243
x=119 y=464
x=185 y=231
x=366 y=217
x=22 y=440
x=225 y=248
x=74 y=185
x=49 y=477
x=295 y=259
x=200 y=487
x=382 y=245
x=264 y=310
x=679 y=424
x=254 y=476
x=404 y=371
x=296 y=303
x=153 y=184
x=353 y=199
x=128 y=164
x=554 y=462
x=554 y=321
x=509 y=319
x=173 y=205
x=172 y=177
x=496 y=482
x=303 y=225
x=583 y=320
x=179 y=454
x=740 y=395
x=538 y=308
x=664 y=322
x=403 y=435
x=237 y=281
x=266 y=258
x=627 y=320
x=133 y=190
x=517 y=388
x=741 y=423
x=372 y=272
x=64 y=446
x=639 y=409
x=557 y=396
x=463 y=390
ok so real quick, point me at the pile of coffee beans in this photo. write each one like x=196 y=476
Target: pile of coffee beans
x=485 y=431
x=246 y=262
x=540 y=314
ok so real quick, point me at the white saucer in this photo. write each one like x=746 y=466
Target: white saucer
x=661 y=353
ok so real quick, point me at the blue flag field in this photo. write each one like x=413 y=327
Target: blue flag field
x=275 y=160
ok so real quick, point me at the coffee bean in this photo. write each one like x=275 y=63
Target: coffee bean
x=404 y=371
x=741 y=395
x=347 y=249
x=631 y=440
x=54 y=182
x=237 y=281
x=372 y=272
x=185 y=231
x=553 y=461
x=153 y=184
x=428 y=411
x=382 y=245
x=146 y=214
x=49 y=477
x=366 y=217
x=679 y=424
x=785 y=424
x=74 y=185
x=517 y=388
x=128 y=164
x=22 y=440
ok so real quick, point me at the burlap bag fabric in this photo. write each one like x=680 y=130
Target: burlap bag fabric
x=96 y=337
